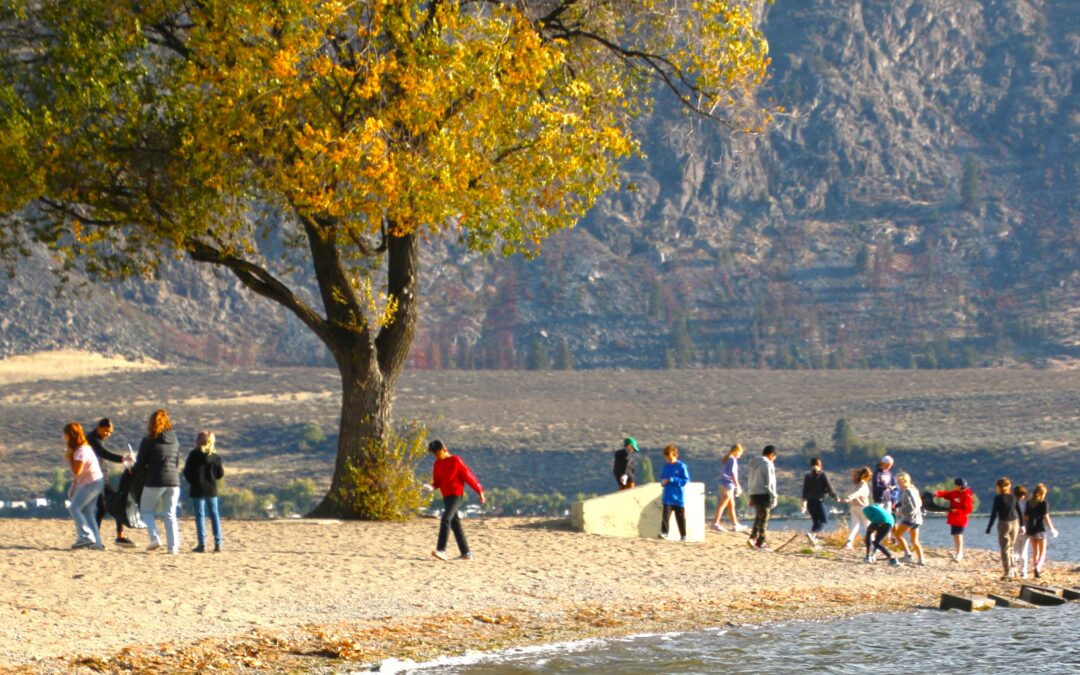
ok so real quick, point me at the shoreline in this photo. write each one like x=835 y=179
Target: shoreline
x=326 y=596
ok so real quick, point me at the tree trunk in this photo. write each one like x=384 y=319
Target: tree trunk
x=363 y=428
x=369 y=371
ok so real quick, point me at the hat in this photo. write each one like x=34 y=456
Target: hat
x=435 y=446
x=960 y=483
x=887 y=459
x=632 y=443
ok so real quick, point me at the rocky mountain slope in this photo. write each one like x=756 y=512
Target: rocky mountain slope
x=918 y=205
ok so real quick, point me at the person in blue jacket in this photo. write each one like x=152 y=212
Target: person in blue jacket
x=674 y=478
x=881 y=523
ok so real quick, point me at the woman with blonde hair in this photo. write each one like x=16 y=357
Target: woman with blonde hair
x=159 y=457
x=88 y=484
x=910 y=511
x=202 y=471
x=859 y=499
x=729 y=490
x=1039 y=526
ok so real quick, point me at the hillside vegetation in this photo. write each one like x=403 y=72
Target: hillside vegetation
x=917 y=207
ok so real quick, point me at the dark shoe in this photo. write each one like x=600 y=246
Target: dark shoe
x=465 y=556
x=217 y=548
x=124 y=541
x=199 y=549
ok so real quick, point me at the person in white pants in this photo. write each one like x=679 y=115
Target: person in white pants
x=858 y=499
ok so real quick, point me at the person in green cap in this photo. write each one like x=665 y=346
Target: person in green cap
x=624 y=464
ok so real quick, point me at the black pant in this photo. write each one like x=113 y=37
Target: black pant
x=451 y=521
x=100 y=510
x=875 y=534
x=762 y=506
x=816 y=509
x=680 y=519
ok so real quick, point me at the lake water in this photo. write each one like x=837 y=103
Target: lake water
x=930 y=641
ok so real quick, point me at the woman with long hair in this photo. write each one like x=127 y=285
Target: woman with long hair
x=159 y=457
x=202 y=471
x=1039 y=526
x=729 y=490
x=88 y=484
x=859 y=499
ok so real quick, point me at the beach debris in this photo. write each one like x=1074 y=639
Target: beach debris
x=1070 y=593
x=966 y=603
x=1012 y=603
x=793 y=538
x=1040 y=595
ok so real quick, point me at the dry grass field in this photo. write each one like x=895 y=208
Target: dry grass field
x=506 y=419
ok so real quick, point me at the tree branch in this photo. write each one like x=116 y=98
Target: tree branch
x=261 y=281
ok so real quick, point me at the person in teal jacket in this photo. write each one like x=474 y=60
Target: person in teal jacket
x=881 y=523
x=674 y=478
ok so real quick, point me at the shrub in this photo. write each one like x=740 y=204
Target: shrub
x=300 y=495
x=386 y=486
x=237 y=502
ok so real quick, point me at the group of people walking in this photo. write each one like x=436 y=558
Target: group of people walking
x=887 y=506
x=150 y=476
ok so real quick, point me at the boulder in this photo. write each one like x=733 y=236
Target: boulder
x=636 y=513
x=965 y=603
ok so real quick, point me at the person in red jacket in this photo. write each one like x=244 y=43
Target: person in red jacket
x=450 y=476
x=961 y=503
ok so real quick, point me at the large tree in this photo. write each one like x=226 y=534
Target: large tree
x=339 y=135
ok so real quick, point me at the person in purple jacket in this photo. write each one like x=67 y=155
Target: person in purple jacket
x=674 y=478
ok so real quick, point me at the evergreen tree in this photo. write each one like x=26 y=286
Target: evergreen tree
x=538 y=358
x=564 y=358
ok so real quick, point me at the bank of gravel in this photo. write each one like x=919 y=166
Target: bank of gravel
x=313 y=596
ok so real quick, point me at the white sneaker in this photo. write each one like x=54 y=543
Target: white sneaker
x=718 y=527
x=153 y=546
x=811 y=539
x=742 y=528
x=441 y=555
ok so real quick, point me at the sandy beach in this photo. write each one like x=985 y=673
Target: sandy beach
x=326 y=595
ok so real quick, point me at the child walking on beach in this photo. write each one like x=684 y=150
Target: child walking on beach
x=761 y=484
x=911 y=518
x=729 y=490
x=1006 y=510
x=449 y=476
x=881 y=523
x=1022 y=547
x=961 y=502
x=674 y=477
x=88 y=483
x=858 y=500
x=203 y=470
x=815 y=488
x=1039 y=527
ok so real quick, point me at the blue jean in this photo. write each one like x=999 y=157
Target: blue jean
x=169 y=497
x=82 y=507
x=202 y=505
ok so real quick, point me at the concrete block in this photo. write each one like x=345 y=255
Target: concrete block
x=1013 y=603
x=1038 y=596
x=965 y=603
x=636 y=513
x=1070 y=593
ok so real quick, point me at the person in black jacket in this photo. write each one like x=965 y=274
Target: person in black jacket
x=815 y=488
x=96 y=438
x=202 y=471
x=159 y=457
x=624 y=464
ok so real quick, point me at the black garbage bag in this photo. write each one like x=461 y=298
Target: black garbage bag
x=929 y=504
x=124 y=503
